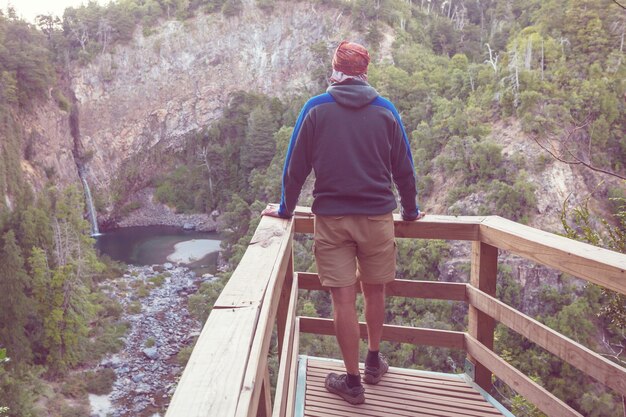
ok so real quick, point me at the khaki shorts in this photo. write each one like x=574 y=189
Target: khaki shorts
x=355 y=247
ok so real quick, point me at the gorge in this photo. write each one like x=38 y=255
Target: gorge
x=179 y=114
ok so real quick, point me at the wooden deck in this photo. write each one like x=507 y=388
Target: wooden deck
x=262 y=294
x=401 y=392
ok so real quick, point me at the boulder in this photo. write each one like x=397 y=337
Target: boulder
x=151 y=353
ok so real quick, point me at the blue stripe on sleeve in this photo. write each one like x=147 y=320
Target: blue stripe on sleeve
x=314 y=101
x=383 y=102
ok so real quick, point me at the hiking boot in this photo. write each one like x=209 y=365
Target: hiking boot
x=372 y=375
x=337 y=384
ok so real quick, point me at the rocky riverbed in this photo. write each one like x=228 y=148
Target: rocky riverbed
x=155 y=304
x=150 y=212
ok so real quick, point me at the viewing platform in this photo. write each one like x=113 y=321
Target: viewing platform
x=228 y=374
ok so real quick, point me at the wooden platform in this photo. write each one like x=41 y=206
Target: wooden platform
x=401 y=392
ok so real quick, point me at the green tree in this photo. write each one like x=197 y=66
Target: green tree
x=232 y=8
x=14 y=308
x=259 y=145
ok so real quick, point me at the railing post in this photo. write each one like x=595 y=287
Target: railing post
x=265 y=400
x=283 y=304
x=481 y=326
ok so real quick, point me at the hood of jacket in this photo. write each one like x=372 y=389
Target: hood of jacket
x=353 y=93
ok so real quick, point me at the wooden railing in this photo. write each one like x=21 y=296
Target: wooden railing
x=227 y=373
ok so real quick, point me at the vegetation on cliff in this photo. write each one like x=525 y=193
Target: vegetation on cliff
x=455 y=71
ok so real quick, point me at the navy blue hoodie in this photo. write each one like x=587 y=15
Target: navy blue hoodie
x=354 y=141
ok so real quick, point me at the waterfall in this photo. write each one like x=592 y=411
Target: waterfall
x=90 y=207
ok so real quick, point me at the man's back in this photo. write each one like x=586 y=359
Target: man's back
x=354 y=141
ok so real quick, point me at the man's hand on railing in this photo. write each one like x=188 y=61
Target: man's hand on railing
x=271 y=210
x=421 y=215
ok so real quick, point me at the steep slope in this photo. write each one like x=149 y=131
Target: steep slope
x=158 y=88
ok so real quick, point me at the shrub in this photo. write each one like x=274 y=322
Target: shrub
x=74 y=387
x=134 y=307
x=100 y=382
x=157 y=280
x=183 y=356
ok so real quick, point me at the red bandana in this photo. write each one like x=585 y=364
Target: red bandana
x=351 y=58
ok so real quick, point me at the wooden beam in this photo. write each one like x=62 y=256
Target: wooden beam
x=283 y=304
x=287 y=356
x=293 y=371
x=523 y=385
x=439 y=227
x=257 y=359
x=453 y=291
x=248 y=283
x=403 y=334
x=577 y=355
x=265 y=404
x=228 y=355
x=484 y=271
x=212 y=379
x=597 y=265
x=430 y=227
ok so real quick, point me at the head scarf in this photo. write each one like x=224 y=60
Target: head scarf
x=350 y=61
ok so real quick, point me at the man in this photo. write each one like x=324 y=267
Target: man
x=355 y=142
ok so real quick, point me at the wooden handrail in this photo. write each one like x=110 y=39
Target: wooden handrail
x=577 y=355
x=225 y=371
x=528 y=388
x=227 y=374
x=417 y=336
x=591 y=263
x=433 y=290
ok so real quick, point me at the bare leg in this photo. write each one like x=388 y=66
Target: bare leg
x=347 y=326
x=374 y=295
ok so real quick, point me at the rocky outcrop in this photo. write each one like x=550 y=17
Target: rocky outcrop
x=158 y=88
x=149 y=212
x=48 y=146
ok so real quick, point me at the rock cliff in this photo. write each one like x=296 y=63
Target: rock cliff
x=160 y=87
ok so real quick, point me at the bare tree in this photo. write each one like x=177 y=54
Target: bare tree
x=104 y=32
x=493 y=59
x=565 y=151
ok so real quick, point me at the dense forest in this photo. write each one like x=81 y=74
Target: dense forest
x=456 y=69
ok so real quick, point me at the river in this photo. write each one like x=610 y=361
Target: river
x=151 y=245
x=147 y=368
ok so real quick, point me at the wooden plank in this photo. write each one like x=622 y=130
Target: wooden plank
x=430 y=227
x=283 y=305
x=414 y=335
x=415 y=405
x=265 y=404
x=212 y=379
x=483 y=275
x=597 y=265
x=396 y=381
x=433 y=387
x=453 y=291
x=293 y=371
x=523 y=385
x=379 y=404
x=249 y=281
x=389 y=387
x=257 y=360
x=591 y=363
x=287 y=356
x=406 y=373
x=299 y=398
x=228 y=356
x=439 y=227
x=402 y=389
